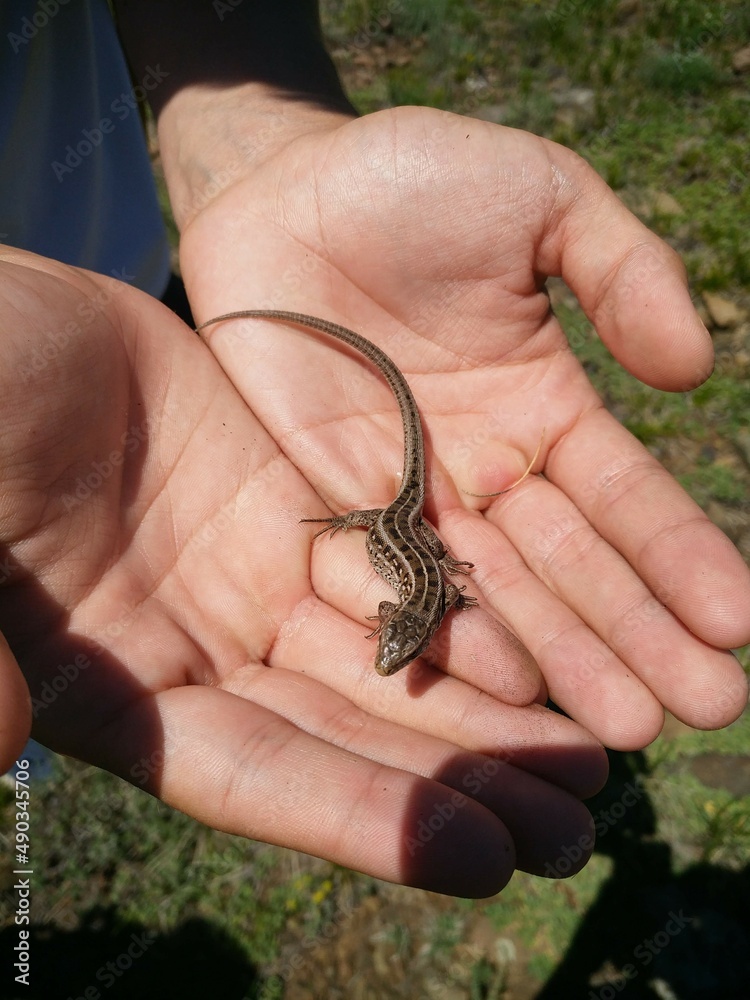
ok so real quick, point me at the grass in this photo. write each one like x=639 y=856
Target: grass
x=665 y=113
x=669 y=58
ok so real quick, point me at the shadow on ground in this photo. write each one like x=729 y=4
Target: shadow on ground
x=106 y=957
x=652 y=933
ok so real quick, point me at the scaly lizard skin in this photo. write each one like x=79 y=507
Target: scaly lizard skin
x=401 y=545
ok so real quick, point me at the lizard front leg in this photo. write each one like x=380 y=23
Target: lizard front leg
x=342 y=522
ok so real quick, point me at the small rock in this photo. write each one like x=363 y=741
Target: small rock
x=476 y=83
x=627 y=8
x=730 y=772
x=666 y=204
x=496 y=113
x=575 y=97
x=723 y=311
x=741 y=60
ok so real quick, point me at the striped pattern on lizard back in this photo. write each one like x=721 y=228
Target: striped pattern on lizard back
x=402 y=547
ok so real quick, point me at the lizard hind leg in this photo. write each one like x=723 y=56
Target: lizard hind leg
x=452 y=566
x=455 y=598
x=448 y=564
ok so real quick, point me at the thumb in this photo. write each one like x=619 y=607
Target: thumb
x=631 y=284
x=15 y=708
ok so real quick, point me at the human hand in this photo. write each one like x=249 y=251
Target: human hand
x=156 y=595
x=432 y=235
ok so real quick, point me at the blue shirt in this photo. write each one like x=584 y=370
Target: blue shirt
x=75 y=177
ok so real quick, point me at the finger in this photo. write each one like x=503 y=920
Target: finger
x=629 y=282
x=541 y=817
x=584 y=676
x=627 y=630
x=257 y=775
x=425 y=699
x=471 y=644
x=632 y=501
x=15 y=708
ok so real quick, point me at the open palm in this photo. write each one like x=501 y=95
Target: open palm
x=157 y=597
x=432 y=235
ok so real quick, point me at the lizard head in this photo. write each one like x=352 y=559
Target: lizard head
x=402 y=638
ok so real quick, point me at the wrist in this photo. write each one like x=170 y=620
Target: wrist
x=210 y=139
x=237 y=84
